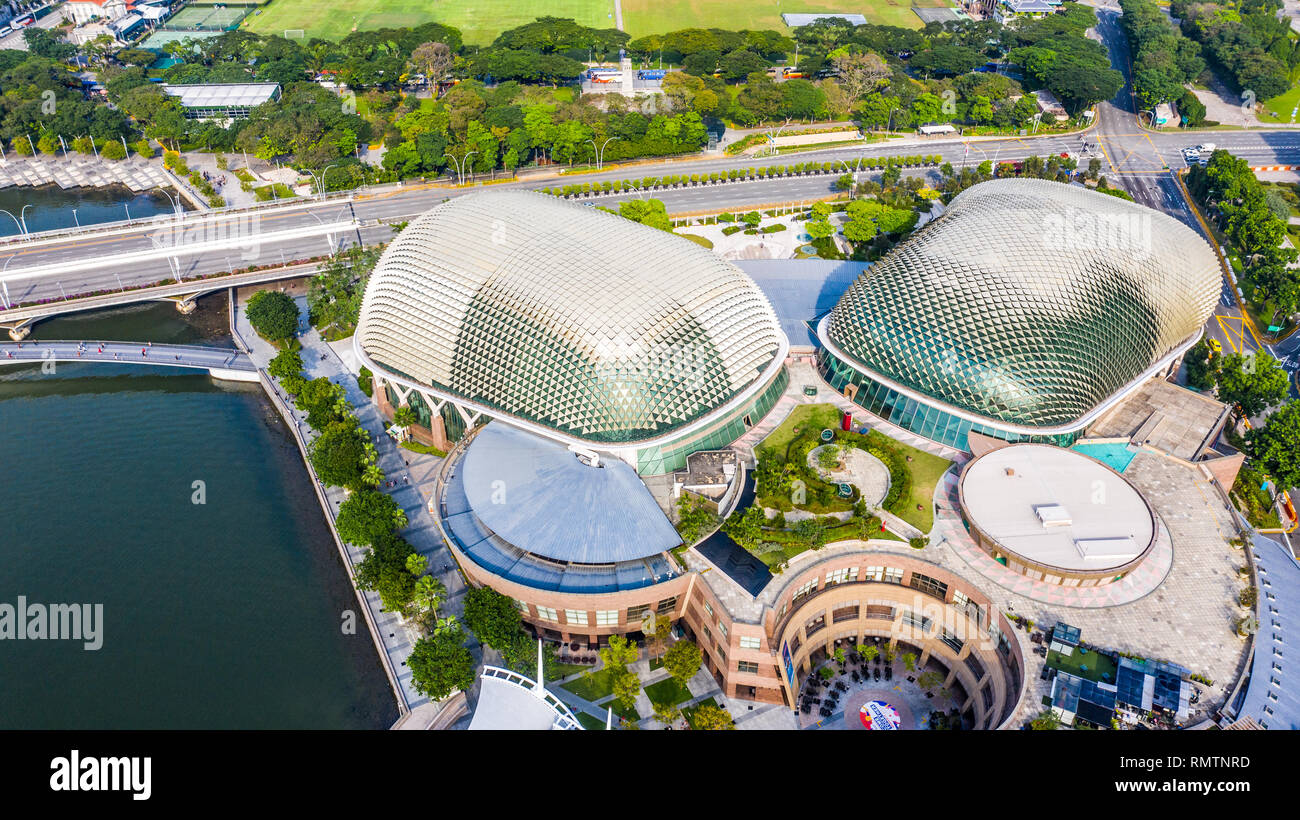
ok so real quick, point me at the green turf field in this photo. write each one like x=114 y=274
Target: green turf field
x=482 y=20
x=479 y=21
x=657 y=16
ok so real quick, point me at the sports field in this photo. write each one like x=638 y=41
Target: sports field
x=205 y=18
x=479 y=21
x=657 y=16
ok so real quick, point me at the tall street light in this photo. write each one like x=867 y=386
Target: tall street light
x=600 y=153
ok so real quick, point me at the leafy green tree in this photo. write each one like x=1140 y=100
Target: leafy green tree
x=752 y=219
x=440 y=664
x=273 y=314
x=405 y=416
x=930 y=680
x=626 y=687
x=319 y=399
x=693 y=518
x=383 y=570
x=1276 y=445
x=1045 y=722
x=646 y=211
x=909 y=661
x=425 y=599
x=1202 y=366
x=618 y=653
x=286 y=363
x=493 y=618
x=338 y=456
x=1254 y=382
x=710 y=717
x=113 y=150
x=368 y=514
x=667 y=713
x=819 y=228
x=683 y=660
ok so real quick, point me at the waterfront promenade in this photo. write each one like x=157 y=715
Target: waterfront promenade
x=319 y=359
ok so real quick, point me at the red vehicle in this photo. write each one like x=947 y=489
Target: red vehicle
x=24 y=21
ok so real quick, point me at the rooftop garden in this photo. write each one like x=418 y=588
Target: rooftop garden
x=785 y=482
x=1091 y=666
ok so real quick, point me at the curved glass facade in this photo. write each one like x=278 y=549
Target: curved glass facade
x=666 y=458
x=924 y=419
x=1026 y=302
x=577 y=320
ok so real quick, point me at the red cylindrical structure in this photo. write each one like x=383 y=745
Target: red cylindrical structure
x=846 y=423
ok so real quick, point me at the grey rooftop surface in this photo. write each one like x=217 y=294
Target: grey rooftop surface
x=1007 y=489
x=220 y=95
x=801 y=290
x=537 y=495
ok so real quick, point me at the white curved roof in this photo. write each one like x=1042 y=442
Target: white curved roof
x=579 y=320
x=538 y=496
x=1056 y=507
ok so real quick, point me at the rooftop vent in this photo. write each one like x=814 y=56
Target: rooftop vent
x=1053 y=515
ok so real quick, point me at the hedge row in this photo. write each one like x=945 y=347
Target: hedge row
x=587 y=189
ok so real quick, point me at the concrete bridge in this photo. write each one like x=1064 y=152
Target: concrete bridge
x=220 y=362
x=19 y=320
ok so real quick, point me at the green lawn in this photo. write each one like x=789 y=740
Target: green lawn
x=668 y=692
x=698 y=240
x=1281 y=106
x=926 y=470
x=479 y=21
x=591 y=687
x=1074 y=663
x=642 y=17
x=589 y=722
x=819 y=416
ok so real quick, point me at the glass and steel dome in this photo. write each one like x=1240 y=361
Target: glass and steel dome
x=567 y=317
x=1028 y=302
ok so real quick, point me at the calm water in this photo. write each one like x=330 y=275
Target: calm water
x=51 y=206
x=222 y=615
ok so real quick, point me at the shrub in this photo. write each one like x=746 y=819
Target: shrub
x=143 y=148
x=112 y=150
x=273 y=314
x=365 y=380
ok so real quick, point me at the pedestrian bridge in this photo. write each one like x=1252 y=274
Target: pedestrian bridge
x=220 y=362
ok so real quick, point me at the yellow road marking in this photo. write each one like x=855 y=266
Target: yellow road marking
x=1234 y=331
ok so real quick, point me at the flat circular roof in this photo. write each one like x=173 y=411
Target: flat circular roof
x=1056 y=507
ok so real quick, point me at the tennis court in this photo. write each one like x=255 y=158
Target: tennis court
x=206 y=18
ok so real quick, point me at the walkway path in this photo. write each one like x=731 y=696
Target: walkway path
x=1270 y=701
x=196 y=356
x=320 y=360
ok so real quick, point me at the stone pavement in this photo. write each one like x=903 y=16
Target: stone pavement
x=320 y=360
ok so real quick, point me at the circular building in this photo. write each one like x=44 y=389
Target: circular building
x=1055 y=515
x=572 y=323
x=1022 y=312
x=578 y=541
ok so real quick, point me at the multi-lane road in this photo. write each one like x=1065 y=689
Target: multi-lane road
x=1140 y=160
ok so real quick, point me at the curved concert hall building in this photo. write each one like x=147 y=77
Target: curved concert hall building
x=1023 y=312
x=573 y=324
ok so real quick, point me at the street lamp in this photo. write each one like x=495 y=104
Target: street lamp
x=76 y=221
x=22 y=217
x=460 y=166
x=323 y=174
x=21 y=230
x=600 y=154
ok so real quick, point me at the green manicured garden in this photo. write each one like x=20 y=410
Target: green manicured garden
x=559 y=670
x=783 y=461
x=591 y=687
x=668 y=692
